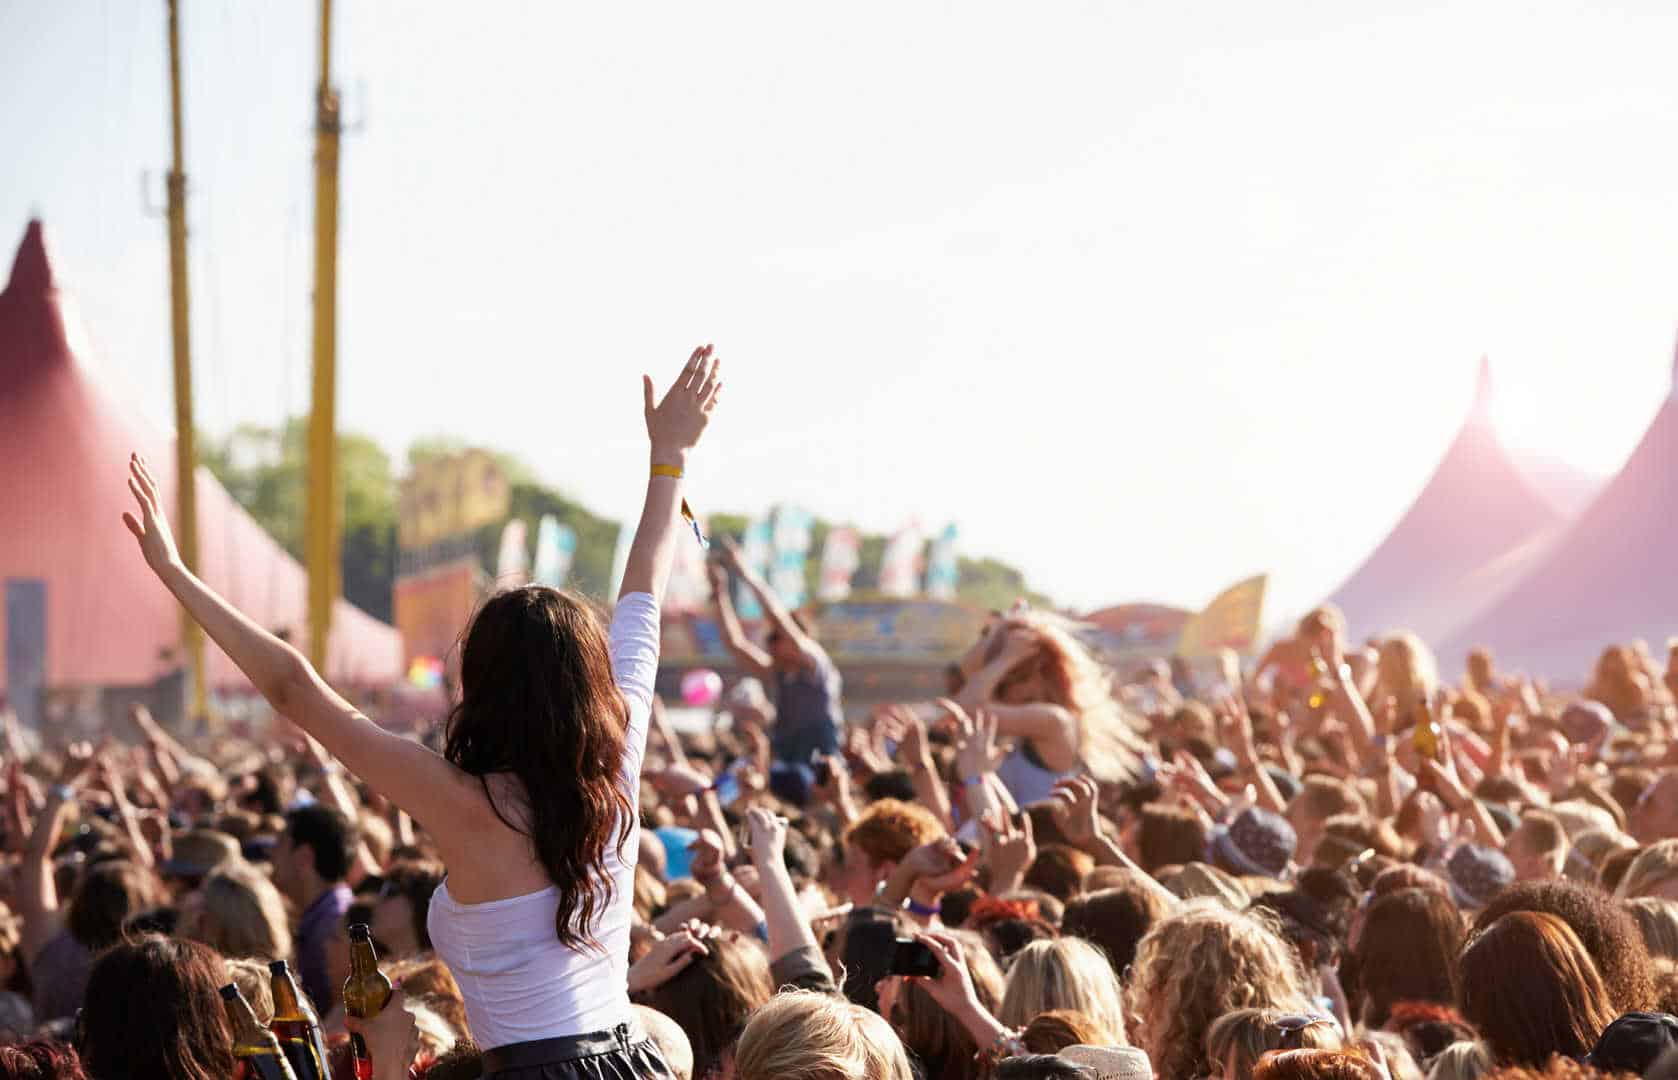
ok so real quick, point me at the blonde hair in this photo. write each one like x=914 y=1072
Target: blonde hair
x=1461 y=1061
x=805 y=1035
x=1108 y=743
x=1657 y=920
x=1062 y=973
x=1405 y=670
x=1198 y=964
x=256 y=984
x=1252 y=1033
x=240 y=914
x=1654 y=865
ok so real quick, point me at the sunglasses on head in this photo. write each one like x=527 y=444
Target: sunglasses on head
x=1292 y=1029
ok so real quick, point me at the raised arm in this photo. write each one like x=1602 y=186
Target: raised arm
x=37 y=891
x=442 y=798
x=674 y=426
x=752 y=659
x=773 y=610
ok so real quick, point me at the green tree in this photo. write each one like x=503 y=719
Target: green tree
x=266 y=469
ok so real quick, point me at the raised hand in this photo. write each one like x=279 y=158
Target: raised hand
x=1076 y=809
x=717 y=575
x=976 y=751
x=768 y=833
x=952 y=987
x=675 y=424
x=706 y=865
x=665 y=959
x=940 y=865
x=151 y=528
x=1008 y=849
x=78 y=762
x=678 y=781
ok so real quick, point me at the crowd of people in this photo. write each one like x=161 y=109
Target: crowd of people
x=1331 y=865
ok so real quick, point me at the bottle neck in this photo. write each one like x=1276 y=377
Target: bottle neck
x=362 y=959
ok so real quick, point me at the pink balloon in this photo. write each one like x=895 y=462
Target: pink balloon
x=700 y=688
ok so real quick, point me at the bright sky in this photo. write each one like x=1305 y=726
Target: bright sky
x=1146 y=296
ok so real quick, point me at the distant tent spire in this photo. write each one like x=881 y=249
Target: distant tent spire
x=31 y=269
x=1482 y=407
x=1673 y=392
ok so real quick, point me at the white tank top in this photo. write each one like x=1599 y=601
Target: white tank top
x=519 y=983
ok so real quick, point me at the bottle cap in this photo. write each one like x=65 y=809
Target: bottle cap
x=360 y=931
x=230 y=992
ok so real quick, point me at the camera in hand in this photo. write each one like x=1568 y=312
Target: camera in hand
x=910 y=957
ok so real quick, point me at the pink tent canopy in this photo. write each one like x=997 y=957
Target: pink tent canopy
x=65 y=443
x=1476 y=526
x=1609 y=578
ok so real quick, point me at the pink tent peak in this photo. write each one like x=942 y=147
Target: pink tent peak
x=66 y=443
x=1476 y=519
x=1607 y=579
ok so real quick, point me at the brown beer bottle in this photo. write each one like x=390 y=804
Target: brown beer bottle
x=297 y=1027
x=1426 y=738
x=259 y=1054
x=366 y=992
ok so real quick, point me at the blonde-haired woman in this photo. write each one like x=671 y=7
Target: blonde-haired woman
x=1063 y=973
x=1654 y=872
x=238 y=912
x=1289 y=664
x=1195 y=966
x=1236 y=1040
x=804 y=1035
x=1657 y=921
x=1622 y=683
x=1047 y=693
x=1406 y=672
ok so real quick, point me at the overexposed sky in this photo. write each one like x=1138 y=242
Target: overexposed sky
x=1146 y=296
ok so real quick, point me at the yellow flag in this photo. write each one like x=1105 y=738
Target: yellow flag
x=1230 y=621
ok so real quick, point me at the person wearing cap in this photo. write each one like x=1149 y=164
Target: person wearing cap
x=1258 y=843
x=1110 y=1062
x=1476 y=874
x=1632 y=1043
x=194 y=855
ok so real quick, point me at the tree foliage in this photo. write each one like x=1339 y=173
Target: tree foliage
x=265 y=470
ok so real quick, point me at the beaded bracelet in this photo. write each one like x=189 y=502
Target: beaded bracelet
x=1007 y=1044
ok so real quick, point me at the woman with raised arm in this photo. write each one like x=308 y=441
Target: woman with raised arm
x=532 y=804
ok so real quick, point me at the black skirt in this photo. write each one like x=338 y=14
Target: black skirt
x=624 y=1053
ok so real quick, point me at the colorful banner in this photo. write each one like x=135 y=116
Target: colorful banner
x=900 y=566
x=1230 y=621
x=790 y=543
x=689 y=589
x=432 y=609
x=443 y=497
x=942 y=574
x=556 y=547
x=841 y=555
x=913 y=630
x=756 y=549
x=1134 y=631
x=512 y=559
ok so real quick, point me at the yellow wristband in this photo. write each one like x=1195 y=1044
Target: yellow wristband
x=672 y=471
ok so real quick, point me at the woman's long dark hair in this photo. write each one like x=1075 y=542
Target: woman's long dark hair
x=153 y=1010
x=1407 y=952
x=538 y=701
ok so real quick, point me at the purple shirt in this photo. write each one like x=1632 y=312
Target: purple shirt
x=321 y=921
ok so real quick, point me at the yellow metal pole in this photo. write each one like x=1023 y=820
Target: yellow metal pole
x=322 y=548
x=186 y=456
